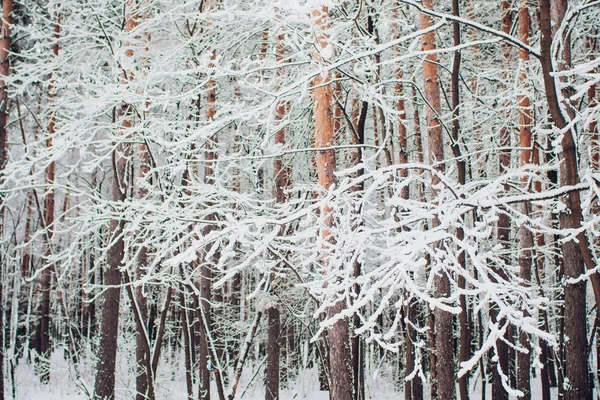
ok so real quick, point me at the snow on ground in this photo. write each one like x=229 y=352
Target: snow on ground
x=64 y=384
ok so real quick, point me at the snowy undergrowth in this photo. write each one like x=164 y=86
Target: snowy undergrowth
x=171 y=383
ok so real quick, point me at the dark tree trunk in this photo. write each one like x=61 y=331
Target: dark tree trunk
x=503 y=233
x=187 y=347
x=205 y=322
x=463 y=318
x=112 y=278
x=107 y=350
x=574 y=255
x=273 y=332
x=49 y=226
x=206 y=362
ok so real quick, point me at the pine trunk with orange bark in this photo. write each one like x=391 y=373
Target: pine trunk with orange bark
x=526 y=236
x=444 y=339
x=322 y=93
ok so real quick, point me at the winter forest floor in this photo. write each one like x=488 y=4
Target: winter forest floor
x=64 y=385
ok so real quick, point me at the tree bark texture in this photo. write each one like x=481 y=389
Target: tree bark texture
x=464 y=352
x=5 y=44
x=503 y=233
x=273 y=333
x=526 y=238
x=107 y=350
x=444 y=338
x=574 y=255
x=322 y=93
x=49 y=225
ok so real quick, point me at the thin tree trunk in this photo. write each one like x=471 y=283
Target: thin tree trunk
x=144 y=377
x=410 y=332
x=526 y=238
x=595 y=163
x=187 y=347
x=282 y=182
x=5 y=44
x=463 y=318
x=503 y=234
x=49 y=224
x=206 y=274
x=417 y=384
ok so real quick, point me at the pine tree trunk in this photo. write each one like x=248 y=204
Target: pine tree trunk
x=503 y=234
x=282 y=182
x=273 y=333
x=526 y=239
x=112 y=277
x=49 y=226
x=111 y=298
x=576 y=367
x=444 y=338
x=463 y=319
x=5 y=44
x=338 y=335
x=207 y=363
x=187 y=346
x=417 y=384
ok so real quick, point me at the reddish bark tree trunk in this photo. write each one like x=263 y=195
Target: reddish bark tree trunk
x=526 y=239
x=49 y=225
x=444 y=338
x=338 y=335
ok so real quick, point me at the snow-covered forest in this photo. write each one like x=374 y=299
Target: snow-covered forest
x=300 y=199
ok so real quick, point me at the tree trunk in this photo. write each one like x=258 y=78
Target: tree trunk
x=526 y=239
x=463 y=318
x=282 y=182
x=444 y=339
x=503 y=233
x=5 y=43
x=207 y=363
x=49 y=226
x=107 y=351
x=187 y=346
x=111 y=297
x=273 y=332
x=338 y=335
x=574 y=255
